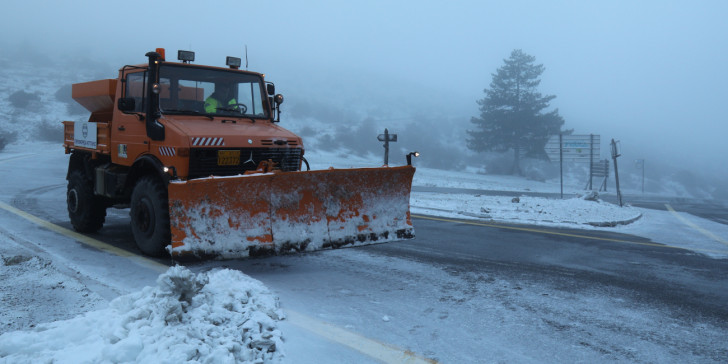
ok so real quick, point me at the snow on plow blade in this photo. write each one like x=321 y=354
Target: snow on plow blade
x=231 y=217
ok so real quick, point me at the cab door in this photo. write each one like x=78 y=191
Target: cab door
x=129 y=134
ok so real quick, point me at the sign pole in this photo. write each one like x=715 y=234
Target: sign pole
x=386 y=138
x=386 y=147
x=561 y=164
x=591 y=160
x=615 y=154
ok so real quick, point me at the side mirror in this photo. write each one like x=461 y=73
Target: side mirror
x=271 y=88
x=278 y=100
x=126 y=104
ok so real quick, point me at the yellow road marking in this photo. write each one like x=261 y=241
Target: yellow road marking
x=696 y=227
x=375 y=349
x=548 y=232
x=372 y=348
x=159 y=267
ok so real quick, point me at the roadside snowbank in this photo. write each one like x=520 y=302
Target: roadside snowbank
x=524 y=209
x=221 y=316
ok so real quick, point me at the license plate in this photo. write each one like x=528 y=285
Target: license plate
x=228 y=157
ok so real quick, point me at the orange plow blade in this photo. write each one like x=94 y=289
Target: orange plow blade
x=230 y=217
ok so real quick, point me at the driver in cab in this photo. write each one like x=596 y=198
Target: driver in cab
x=222 y=98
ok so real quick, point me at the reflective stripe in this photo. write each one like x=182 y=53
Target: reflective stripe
x=167 y=151
x=207 y=142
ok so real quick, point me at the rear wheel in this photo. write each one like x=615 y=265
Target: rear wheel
x=86 y=210
x=150 y=216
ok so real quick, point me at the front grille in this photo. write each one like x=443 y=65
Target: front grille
x=279 y=142
x=203 y=161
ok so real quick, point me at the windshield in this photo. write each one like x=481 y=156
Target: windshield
x=193 y=91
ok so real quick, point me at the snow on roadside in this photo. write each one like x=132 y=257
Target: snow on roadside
x=430 y=177
x=220 y=316
x=524 y=209
x=32 y=288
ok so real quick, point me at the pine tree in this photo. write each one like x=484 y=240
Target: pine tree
x=511 y=114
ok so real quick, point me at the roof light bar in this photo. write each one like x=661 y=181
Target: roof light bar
x=233 y=62
x=186 y=56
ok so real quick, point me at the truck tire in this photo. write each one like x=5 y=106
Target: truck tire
x=86 y=210
x=150 y=216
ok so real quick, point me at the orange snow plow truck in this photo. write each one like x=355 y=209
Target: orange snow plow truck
x=195 y=152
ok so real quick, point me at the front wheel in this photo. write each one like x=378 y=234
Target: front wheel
x=150 y=216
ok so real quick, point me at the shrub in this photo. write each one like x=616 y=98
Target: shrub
x=21 y=99
x=327 y=142
x=361 y=139
x=49 y=131
x=6 y=138
x=63 y=95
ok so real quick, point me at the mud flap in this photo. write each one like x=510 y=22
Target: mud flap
x=231 y=217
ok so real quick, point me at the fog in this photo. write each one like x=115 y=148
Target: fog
x=651 y=74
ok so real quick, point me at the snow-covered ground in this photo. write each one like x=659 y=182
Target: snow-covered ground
x=524 y=209
x=60 y=319
x=52 y=312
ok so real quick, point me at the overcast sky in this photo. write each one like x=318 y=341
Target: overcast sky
x=653 y=74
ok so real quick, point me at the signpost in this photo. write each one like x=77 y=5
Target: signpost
x=573 y=148
x=615 y=154
x=386 y=138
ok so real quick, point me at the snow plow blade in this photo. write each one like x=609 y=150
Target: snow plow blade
x=231 y=217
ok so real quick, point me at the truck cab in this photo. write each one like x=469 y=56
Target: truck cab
x=171 y=121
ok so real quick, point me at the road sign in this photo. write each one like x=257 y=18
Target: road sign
x=601 y=168
x=574 y=148
x=387 y=137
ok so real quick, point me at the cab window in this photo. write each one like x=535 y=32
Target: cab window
x=136 y=89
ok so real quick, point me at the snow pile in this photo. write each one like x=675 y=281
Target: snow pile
x=524 y=209
x=221 y=316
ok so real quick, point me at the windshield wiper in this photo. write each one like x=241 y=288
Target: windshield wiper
x=235 y=110
x=184 y=111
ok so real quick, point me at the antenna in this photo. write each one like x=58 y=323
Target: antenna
x=246 y=57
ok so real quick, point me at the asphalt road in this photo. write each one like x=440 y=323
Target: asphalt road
x=685 y=282
x=547 y=294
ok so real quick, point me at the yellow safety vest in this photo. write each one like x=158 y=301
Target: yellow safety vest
x=211 y=104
